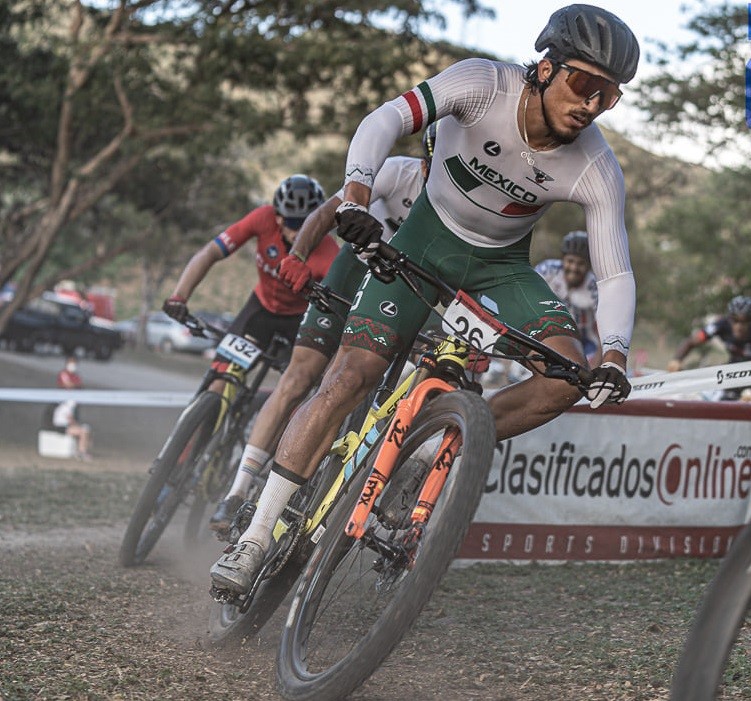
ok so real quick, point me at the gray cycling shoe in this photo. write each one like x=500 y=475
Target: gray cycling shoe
x=225 y=514
x=237 y=569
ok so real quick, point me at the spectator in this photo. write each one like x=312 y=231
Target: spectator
x=733 y=330
x=65 y=417
x=68 y=377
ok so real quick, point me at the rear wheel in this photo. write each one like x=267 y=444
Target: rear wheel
x=102 y=351
x=170 y=478
x=226 y=623
x=217 y=469
x=357 y=598
x=716 y=660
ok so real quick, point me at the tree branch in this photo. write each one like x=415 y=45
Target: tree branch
x=113 y=146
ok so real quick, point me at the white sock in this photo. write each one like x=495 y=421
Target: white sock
x=274 y=497
x=251 y=463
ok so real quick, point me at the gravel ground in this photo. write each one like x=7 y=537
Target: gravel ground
x=74 y=624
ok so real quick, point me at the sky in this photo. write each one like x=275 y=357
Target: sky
x=513 y=31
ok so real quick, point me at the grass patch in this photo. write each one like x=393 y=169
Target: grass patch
x=35 y=499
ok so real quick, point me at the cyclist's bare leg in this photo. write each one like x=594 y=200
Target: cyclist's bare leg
x=311 y=431
x=305 y=368
x=307 y=438
x=535 y=401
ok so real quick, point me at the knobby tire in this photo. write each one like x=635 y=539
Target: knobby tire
x=167 y=484
x=350 y=610
x=220 y=447
x=707 y=668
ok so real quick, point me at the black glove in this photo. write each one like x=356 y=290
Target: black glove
x=176 y=307
x=359 y=228
x=609 y=386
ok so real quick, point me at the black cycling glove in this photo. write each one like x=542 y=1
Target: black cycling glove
x=609 y=385
x=359 y=228
x=176 y=307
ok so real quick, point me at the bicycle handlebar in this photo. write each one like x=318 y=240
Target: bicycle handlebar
x=392 y=260
x=199 y=327
x=321 y=297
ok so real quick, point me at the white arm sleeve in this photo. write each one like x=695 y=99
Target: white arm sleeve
x=367 y=152
x=601 y=192
x=615 y=312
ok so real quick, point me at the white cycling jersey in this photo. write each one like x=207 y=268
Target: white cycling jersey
x=395 y=188
x=488 y=194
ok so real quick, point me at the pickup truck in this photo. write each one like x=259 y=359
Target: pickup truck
x=53 y=320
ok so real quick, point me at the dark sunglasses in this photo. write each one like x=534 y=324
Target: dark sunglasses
x=589 y=86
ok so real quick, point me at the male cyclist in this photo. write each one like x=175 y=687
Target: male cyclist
x=397 y=186
x=272 y=307
x=513 y=140
x=573 y=282
x=733 y=330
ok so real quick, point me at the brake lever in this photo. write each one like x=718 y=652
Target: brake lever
x=574 y=374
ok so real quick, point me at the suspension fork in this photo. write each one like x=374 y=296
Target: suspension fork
x=389 y=452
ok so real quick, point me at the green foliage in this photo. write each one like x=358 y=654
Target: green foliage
x=699 y=90
x=115 y=117
x=700 y=245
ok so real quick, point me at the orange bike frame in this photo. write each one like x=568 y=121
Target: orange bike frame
x=389 y=452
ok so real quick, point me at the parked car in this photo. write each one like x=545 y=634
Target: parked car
x=55 y=321
x=165 y=334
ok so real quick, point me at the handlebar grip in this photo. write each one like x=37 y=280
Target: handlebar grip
x=585 y=376
x=387 y=252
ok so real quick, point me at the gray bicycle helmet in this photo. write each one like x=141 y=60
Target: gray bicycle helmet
x=296 y=197
x=740 y=306
x=575 y=243
x=428 y=141
x=594 y=35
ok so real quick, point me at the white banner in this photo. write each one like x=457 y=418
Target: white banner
x=648 y=479
x=716 y=377
x=101 y=397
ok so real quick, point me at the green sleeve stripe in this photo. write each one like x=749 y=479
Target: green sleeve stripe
x=427 y=95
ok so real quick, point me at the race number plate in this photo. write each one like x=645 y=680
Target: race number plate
x=238 y=349
x=463 y=320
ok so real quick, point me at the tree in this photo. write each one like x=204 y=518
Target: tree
x=701 y=242
x=99 y=96
x=698 y=91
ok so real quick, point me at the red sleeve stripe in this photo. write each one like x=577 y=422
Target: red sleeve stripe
x=415 y=108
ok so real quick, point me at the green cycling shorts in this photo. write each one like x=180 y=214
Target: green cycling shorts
x=386 y=317
x=322 y=331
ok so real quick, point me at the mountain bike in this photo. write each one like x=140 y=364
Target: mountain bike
x=201 y=455
x=406 y=502
x=716 y=658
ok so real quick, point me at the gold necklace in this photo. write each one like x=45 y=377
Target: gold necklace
x=527 y=155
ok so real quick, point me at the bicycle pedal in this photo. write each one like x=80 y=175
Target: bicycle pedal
x=222 y=596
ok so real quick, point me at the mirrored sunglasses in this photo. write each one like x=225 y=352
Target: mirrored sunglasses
x=589 y=86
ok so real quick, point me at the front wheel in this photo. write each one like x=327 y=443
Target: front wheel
x=358 y=597
x=170 y=478
x=712 y=665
